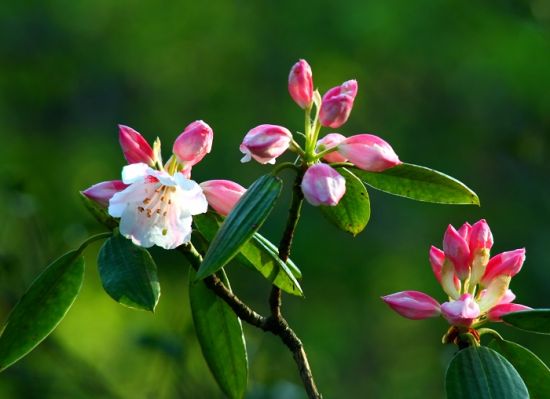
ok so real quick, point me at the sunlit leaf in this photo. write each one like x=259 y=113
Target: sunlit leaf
x=481 y=373
x=220 y=335
x=42 y=307
x=419 y=183
x=532 y=370
x=353 y=211
x=241 y=224
x=128 y=273
x=257 y=253
x=536 y=320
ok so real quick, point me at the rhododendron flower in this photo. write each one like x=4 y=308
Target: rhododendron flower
x=265 y=143
x=222 y=195
x=471 y=301
x=331 y=140
x=368 y=152
x=102 y=192
x=193 y=144
x=156 y=208
x=300 y=84
x=337 y=104
x=135 y=148
x=155 y=203
x=322 y=185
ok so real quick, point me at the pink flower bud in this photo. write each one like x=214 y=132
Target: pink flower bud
x=194 y=143
x=413 y=304
x=322 y=185
x=337 y=104
x=506 y=263
x=465 y=231
x=222 y=195
x=457 y=250
x=461 y=312
x=368 y=152
x=265 y=143
x=437 y=257
x=102 y=192
x=480 y=236
x=134 y=146
x=496 y=313
x=329 y=141
x=300 y=84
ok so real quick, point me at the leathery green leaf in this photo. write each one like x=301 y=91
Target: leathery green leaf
x=532 y=370
x=258 y=253
x=221 y=338
x=536 y=320
x=482 y=373
x=419 y=183
x=42 y=307
x=353 y=211
x=128 y=273
x=241 y=224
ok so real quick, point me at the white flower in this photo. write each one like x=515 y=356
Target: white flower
x=156 y=207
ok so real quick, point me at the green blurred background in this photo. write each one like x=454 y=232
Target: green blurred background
x=463 y=87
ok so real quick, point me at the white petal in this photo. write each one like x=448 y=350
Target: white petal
x=120 y=200
x=134 y=172
x=164 y=177
x=189 y=197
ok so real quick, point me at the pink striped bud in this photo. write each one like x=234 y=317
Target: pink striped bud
x=496 y=313
x=461 y=312
x=193 y=143
x=413 y=305
x=222 y=195
x=300 y=84
x=322 y=185
x=465 y=230
x=102 y=192
x=135 y=148
x=265 y=143
x=457 y=250
x=481 y=241
x=437 y=257
x=506 y=263
x=480 y=236
x=337 y=104
x=368 y=152
x=329 y=141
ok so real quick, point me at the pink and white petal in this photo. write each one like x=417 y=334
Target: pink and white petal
x=189 y=194
x=496 y=313
x=164 y=177
x=135 y=172
x=133 y=194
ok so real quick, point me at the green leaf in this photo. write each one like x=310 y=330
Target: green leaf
x=258 y=253
x=419 y=183
x=481 y=373
x=220 y=335
x=128 y=273
x=353 y=211
x=534 y=372
x=536 y=320
x=243 y=221
x=42 y=307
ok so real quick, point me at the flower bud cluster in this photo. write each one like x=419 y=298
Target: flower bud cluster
x=322 y=184
x=477 y=285
x=156 y=202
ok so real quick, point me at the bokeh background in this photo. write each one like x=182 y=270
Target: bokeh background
x=463 y=87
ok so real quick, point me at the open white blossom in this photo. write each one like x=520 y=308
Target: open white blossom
x=157 y=207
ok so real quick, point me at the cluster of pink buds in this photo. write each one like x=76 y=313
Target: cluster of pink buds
x=477 y=285
x=322 y=184
x=154 y=201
